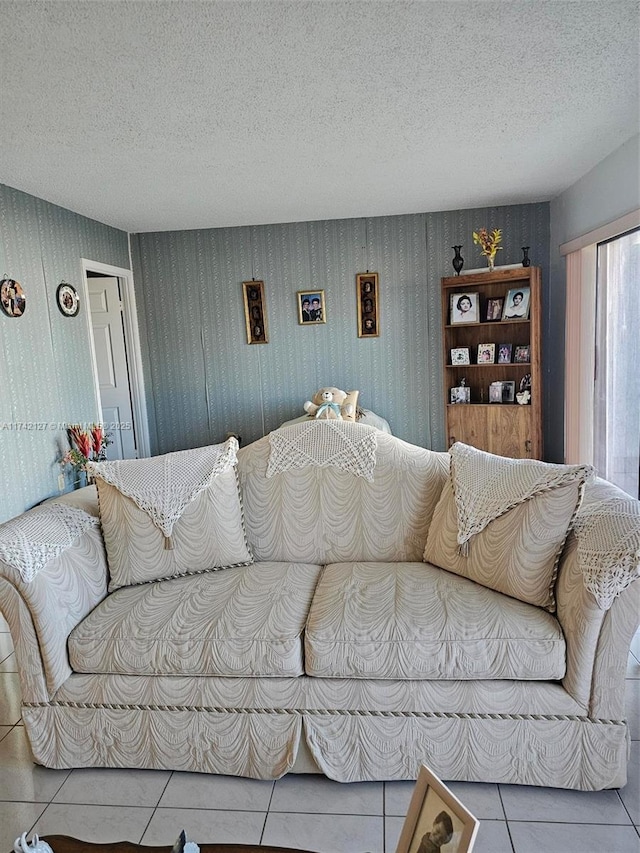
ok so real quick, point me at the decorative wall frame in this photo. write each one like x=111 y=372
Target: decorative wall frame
x=67 y=299
x=255 y=312
x=367 y=301
x=436 y=817
x=12 y=297
x=311 y=307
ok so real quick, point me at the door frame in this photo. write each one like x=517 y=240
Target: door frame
x=132 y=344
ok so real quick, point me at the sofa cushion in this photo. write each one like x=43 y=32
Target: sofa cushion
x=416 y=621
x=246 y=621
x=326 y=515
x=503 y=522
x=207 y=533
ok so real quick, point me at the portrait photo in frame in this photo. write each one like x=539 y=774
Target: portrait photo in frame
x=311 y=307
x=486 y=354
x=494 y=309
x=255 y=312
x=436 y=817
x=516 y=304
x=67 y=299
x=460 y=355
x=12 y=297
x=463 y=308
x=367 y=303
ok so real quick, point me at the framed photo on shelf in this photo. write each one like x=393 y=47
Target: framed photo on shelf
x=522 y=354
x=486 y=354
x=460 y=394
x=436 y=819
x=367 y=302
x=504 y=353
x=463 y=308
x=516 y=304
x=494 y=309
x=460 y=355
x=311 y=309
x=255 y=312
x=495 y=392
x=508 y=392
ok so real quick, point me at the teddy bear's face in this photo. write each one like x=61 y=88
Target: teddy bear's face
x=329 y=395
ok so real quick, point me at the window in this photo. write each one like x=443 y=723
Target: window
x=616 y=422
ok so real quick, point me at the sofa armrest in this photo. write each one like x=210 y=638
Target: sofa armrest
x=597 y=639
x=42 y=613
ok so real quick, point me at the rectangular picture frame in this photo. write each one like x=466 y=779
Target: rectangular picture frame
x=460 y=394
x=508 y=391
x=495 y=392
x=494 y=309
x=522 y=354
x=486 y=354
x=435 y=809
x=464 y=308
x=311 y=307
x=517 y=304
x=255 y=312
x=460 y=355
x=367 y=304
x=504 y=353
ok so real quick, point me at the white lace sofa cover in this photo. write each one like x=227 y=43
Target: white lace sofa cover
x=338 y=649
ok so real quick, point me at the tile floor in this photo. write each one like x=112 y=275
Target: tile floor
x=309 y=812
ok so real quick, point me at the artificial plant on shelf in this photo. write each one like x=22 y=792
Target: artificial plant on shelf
x=489 y=242
x=86 y=445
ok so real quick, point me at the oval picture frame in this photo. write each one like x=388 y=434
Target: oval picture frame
x=12 y=297
x=67 y=299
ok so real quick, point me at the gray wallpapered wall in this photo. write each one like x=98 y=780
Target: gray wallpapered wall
x=204 y=380
x=45 y=375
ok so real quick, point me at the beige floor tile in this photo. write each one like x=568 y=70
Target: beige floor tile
x=548 y=805
x=397 y=796
x=100 y=824
x=205 y=825
x=572 y=838
x=315 y=794
x=199 y=791
x=21 y=780
x=113 y=787
x=16 y=818
x=323 y=833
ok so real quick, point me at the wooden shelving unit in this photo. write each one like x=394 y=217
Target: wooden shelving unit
x=507 y=429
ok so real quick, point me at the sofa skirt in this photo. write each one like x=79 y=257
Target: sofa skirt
x=352 y=731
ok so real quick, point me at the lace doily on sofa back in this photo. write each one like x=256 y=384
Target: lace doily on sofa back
x=320 y=443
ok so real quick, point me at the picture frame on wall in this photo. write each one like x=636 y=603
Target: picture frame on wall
x=12 y=297
x=436 y=819
x=67 y=299
x=255 y=312
x=311 y=307
x=367 y=303
x=463 y=308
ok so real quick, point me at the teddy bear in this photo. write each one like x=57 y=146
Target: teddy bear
x=329 y=404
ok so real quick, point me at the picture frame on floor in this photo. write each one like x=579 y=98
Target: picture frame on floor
x=436 y=819
x=255 y=312
x=367 y=302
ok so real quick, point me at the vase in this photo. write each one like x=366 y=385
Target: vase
x=525 y=259
x=491 y=261
x=458 y=260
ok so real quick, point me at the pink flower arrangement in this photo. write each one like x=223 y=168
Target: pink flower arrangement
x=87 y=445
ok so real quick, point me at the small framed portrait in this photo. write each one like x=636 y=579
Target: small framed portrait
x=463 y=308
x=460 y=394
x=516 y=304
x=495 y=392
x=12 y=298
x=67 y=299
x=494 y=309
x=508 y=392
x=460 y=355
x=367 y=303
x=504 y=353
x=522 y=354
x=255 y=312
x=486 y=354
x=436 y=819
x=311 y=308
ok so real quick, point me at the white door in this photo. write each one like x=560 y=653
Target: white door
x=111 y=359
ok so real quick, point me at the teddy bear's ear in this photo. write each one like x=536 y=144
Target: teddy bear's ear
x=351 y=399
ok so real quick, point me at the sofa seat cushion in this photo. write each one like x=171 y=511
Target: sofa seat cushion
x=416 y=621
x=246 y=621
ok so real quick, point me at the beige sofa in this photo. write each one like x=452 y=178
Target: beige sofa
x=329 y=644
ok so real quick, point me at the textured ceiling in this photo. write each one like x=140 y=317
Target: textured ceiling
x=170 y=115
